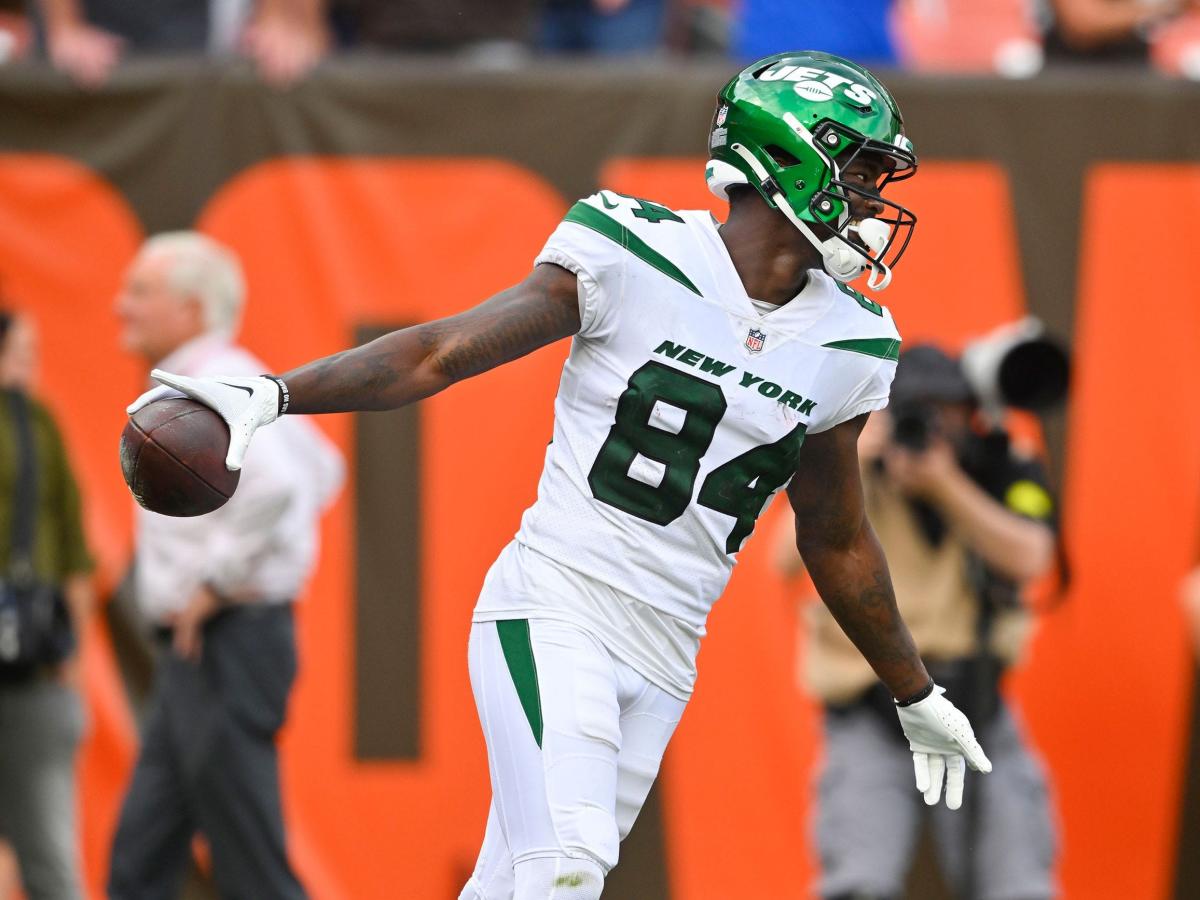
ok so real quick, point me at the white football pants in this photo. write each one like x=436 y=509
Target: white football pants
x=574 y=740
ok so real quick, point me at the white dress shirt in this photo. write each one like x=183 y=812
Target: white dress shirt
x=261 y=546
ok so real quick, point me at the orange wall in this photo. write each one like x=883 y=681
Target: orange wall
x=64 y=237
x=1109 y=687
x=332 y=243
x=328 y=244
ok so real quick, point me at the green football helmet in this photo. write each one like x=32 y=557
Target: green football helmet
x=789 y=125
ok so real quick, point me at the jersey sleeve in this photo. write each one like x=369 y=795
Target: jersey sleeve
x=870 y=394
x=862 y=344
x=579 y=244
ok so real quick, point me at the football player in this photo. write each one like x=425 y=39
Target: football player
x=711 y=366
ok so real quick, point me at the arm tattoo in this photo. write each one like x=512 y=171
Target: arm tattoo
x=876 y=596
x=855 y=585
x=363 y=368
x=498 y=334
x=845 y=560
x=414 y=363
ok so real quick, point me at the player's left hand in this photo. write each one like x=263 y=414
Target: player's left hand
x=246 y=404
x=942 y=745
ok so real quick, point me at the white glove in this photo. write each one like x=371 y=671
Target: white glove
x=940 y=736
x=244 y=403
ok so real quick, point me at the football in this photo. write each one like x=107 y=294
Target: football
x=173 y=458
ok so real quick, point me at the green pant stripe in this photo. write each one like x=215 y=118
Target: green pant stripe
x=518 y=653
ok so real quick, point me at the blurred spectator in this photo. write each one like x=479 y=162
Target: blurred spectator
x=963 y=521
x=1190 y=594
x=10 y=874
x=1187 y=875
x=14 y=40
x=497 y=27
x=998 y=36
x=860 y=30
x=699 y=27
x=218 y=590
x=87 y=38
x=602 y=27
x=45 y=595
x=1110 y=31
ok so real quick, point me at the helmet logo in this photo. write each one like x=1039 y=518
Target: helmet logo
x=722 y=114
x=821 y=83
x=816 y=91
x=755 y=340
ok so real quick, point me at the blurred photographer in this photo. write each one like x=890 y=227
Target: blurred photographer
x=964 y=521
x=45 y=596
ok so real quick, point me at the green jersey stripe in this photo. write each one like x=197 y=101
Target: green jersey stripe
x=882 y=348
x=518 y=653
x=589 y=217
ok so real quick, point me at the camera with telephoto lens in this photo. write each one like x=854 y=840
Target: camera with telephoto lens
x=914 y=424
x=1017 y=366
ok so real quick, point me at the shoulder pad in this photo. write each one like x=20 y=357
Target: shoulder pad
x=632 y=225
x=861 y=299
x=630 y=210
x=864 y=326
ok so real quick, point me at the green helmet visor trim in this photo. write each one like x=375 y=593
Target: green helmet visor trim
x=899 y=163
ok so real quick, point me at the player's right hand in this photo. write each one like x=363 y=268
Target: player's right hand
x=244 y=403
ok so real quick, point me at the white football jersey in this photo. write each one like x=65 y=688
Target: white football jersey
x=682 y=408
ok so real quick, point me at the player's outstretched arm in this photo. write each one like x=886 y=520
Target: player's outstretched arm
x=850 y=573
x=414 y=363
x=398 y=368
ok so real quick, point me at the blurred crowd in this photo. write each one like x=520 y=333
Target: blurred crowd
x=284 y=39
x=214 y=598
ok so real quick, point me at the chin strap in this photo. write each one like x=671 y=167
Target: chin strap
x=841 y=260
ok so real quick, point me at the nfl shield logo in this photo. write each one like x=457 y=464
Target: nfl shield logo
x=722 y=114
x=755 y=340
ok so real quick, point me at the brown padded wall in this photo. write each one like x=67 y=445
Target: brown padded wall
x=387 y=574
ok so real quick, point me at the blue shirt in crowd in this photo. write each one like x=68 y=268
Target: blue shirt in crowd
x=856 y=29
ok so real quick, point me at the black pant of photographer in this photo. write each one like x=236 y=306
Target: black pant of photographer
x=869 y=817
x=209 y=764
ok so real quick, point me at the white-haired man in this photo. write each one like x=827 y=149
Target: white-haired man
x=218 y=591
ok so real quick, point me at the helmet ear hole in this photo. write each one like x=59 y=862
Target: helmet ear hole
x=781 y=157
